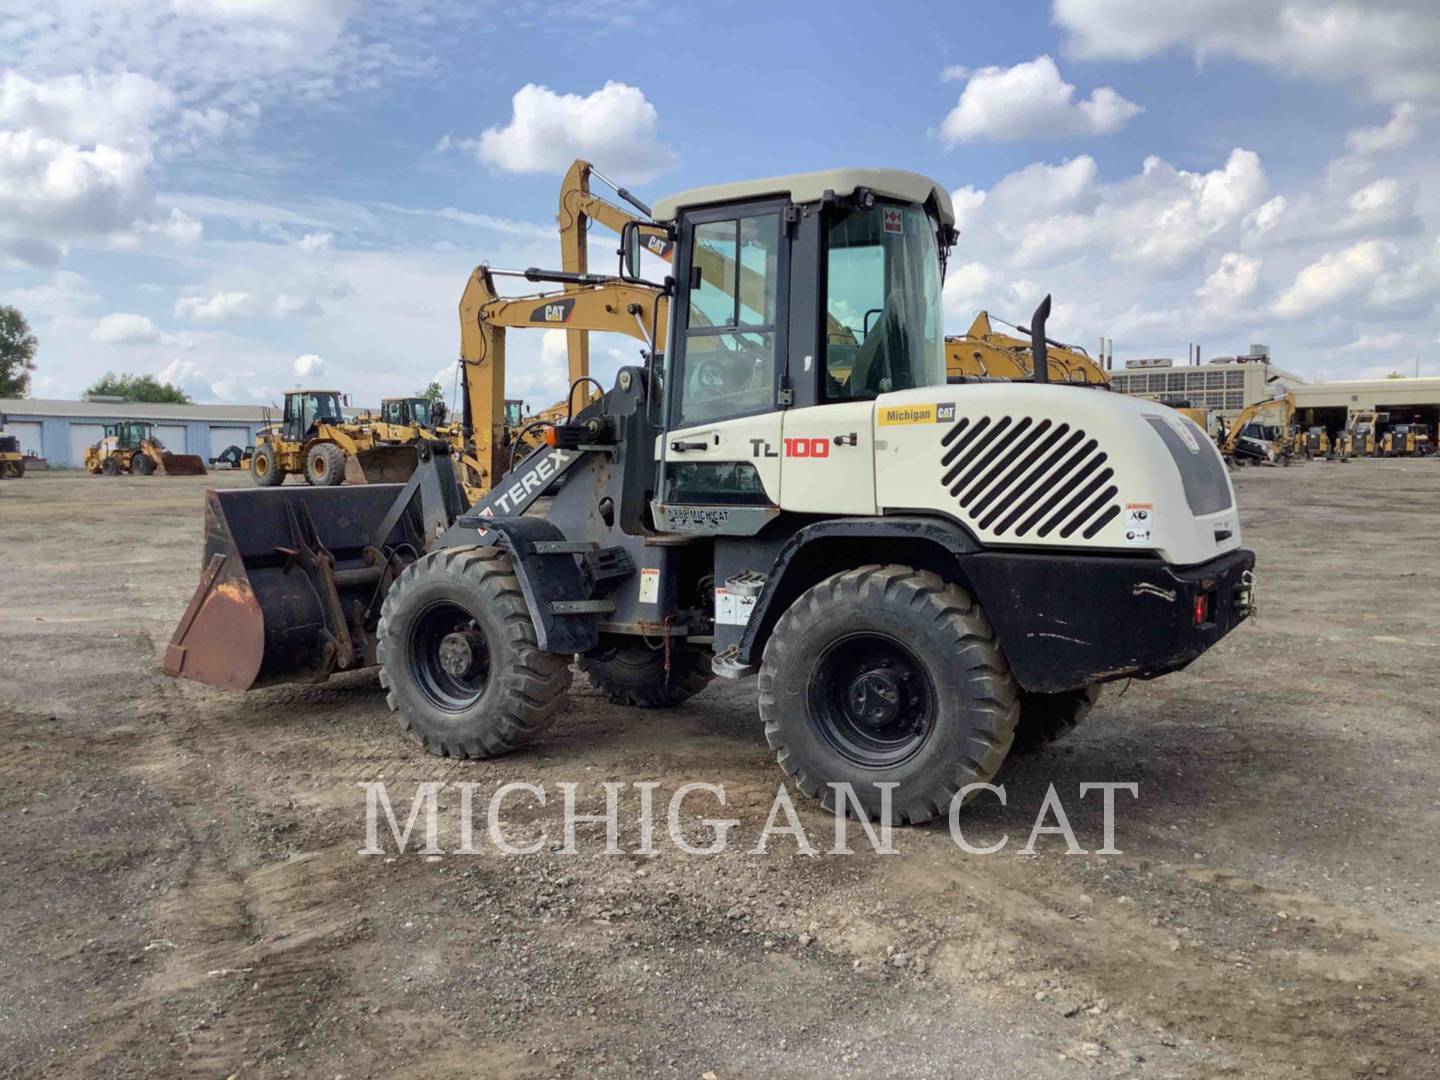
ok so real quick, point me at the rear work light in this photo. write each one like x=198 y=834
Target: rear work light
x=1202 y=608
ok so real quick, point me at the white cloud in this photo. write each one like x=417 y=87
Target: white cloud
x=966 y=288
x=615 y=127
x=1400 y=130
x=316 y=241
x=123 y=328
x=966 y=201
x=216 y=307
x=1045 y=188
x=64 y=294
x=1267 y=215
x=1386 y=342
x=543 y=382
x=74 y=155
x=1387 y=45
x=308 y=366
x=954 y=73
x=1031 y=100
x=1234 y=280
x=1336 y=276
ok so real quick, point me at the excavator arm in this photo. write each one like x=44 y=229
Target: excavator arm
x=612 y=307
x=984 y=351
x=1251 y=413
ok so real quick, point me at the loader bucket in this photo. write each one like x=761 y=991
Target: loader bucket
x=267 y=609
x=182 y=464
x=381 y=465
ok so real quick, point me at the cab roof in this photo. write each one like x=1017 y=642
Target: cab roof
x=310 y=390
x=811 y=187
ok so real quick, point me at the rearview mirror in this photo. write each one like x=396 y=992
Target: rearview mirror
x=630 y=251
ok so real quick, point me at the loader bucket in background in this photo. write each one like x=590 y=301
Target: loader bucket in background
x=183 y=464
x=381 y=465
x=262 y=613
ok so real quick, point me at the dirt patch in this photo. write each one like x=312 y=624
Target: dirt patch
x=181 y=891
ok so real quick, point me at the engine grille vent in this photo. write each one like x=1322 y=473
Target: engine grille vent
x=1019 y=478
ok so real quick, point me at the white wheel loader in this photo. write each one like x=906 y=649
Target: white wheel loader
x=922 y=574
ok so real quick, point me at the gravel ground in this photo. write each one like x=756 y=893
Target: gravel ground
x=181 y=891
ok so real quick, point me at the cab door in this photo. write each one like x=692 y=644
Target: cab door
x=721 y=450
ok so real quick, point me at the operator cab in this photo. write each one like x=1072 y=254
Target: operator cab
x=129 y=434
x=814 y=289
x=305 y=409
x=407 y=411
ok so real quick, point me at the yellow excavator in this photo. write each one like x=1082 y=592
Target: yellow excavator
x=130 y=446
x=486 y=446
x=1261 y=434
x=984 y=352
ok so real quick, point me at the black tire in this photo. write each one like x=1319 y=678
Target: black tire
x=1048 y=718
x=632 y=673
x=509 y=691
x=20 y=469
x=264 y=470
x=110 y=467
x=325 y=465
x=141 y=465
x=919 y=647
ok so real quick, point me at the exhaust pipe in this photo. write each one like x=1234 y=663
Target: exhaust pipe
x=1039 y=353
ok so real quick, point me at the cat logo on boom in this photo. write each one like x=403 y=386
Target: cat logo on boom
x=555 y=311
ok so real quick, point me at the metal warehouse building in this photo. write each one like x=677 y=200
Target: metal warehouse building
x=1406 y=400
x=61 y=430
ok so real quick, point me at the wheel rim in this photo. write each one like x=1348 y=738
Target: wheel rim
x=261 y=464
x=449 y=656
x=317 y=464
x=872 y=700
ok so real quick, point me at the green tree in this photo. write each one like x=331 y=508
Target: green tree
x=432 y=393
x=17 y=353
x=139 y=388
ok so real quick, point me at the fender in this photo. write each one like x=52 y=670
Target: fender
x=555 y=592
x=950 y=539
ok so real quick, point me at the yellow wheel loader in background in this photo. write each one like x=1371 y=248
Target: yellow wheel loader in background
x=12 y=461
x=130 y=446
x=1405 y=440
x=312 y=440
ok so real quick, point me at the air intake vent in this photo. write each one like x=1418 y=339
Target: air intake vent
x=1019 y=478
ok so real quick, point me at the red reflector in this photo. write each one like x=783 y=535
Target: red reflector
x=1202 y=609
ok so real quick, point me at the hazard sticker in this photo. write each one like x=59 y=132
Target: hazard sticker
x=732 y=609
x=1139 y=523
x=649 y=586
x=894 y=220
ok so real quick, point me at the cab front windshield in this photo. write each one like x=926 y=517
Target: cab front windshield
x=884 y=328
x=420 y=411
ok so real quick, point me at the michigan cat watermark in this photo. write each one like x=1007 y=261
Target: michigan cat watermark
x=518 y=818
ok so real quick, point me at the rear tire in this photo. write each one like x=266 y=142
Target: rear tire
x=325 y=465
x=1048 y=718
x=887 y=674
x=140 y=465
x=263 y=468
x=634 y=674
x=458 y=656
x=110 y=467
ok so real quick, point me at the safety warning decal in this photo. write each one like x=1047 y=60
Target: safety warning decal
x=1139 y=521
x=894 y=220
x=650 y=586
x=733 y=609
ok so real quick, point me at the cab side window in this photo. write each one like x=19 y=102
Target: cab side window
x=730 y=334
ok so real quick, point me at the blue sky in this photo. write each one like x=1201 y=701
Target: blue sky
x=243 y=194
